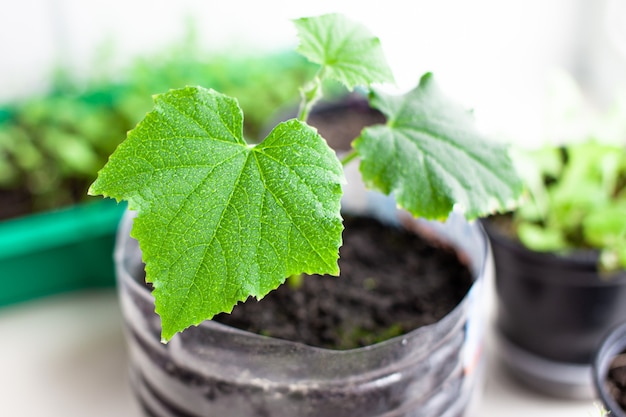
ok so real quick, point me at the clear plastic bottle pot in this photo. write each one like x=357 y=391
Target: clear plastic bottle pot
x=552 y=312
x=613 y=344
x=216 y=370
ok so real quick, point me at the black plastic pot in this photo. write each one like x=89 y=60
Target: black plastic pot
x=614 y=344
x=552 y=313
x=216 y=370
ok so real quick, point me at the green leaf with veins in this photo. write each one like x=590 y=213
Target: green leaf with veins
x=346 y=50
x=431 y=156
x=218 y=219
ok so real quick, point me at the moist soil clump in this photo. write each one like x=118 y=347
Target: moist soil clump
x=616 y=381
x=392 y=281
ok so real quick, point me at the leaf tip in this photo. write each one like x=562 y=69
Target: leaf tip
x=92 y=191
x=95 y=190
x=427 y=76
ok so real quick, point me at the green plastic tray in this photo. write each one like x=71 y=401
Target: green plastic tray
x=58 y=251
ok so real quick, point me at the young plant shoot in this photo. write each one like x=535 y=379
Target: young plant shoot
x=220 y=220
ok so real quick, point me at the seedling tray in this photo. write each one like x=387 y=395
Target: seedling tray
x=58 y=251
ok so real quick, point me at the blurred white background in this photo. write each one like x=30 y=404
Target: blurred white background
x=490 y=55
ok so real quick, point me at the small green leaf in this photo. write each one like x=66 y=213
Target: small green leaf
x=541 y=239
x=431 y=157
x=346 y=50
x=72 y=153
x=534 y=166
x=218 y=219
x=605 y=226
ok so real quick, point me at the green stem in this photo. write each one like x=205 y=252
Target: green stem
x=353 y=154
x=311 y=94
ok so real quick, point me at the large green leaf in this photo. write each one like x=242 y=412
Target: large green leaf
x=218 y=219
x=346 y=50
x=431 y=156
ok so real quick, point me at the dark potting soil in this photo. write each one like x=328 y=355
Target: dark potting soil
x=392 y=281
x=616 y=381
x=341 y=122
x=14 y=203
x=20 y=202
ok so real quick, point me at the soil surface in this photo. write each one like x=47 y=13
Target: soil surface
x=341 y=122
x=20 y=202
x=14 y=203
x=392 y=281
x=616 y=381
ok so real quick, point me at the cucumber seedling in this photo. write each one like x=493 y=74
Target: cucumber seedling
x=220 y=219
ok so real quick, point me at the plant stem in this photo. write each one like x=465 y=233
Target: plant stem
x=311 y=94
x=353 y=154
